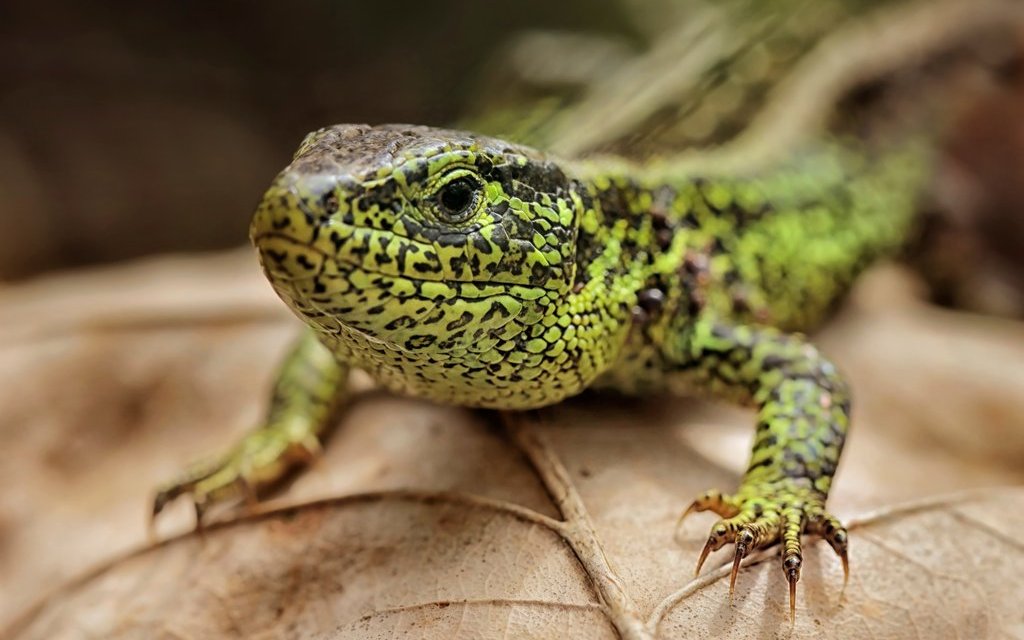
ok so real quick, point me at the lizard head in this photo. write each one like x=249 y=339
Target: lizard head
x=417 y=238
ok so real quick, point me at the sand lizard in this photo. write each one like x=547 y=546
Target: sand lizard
x=468 y=270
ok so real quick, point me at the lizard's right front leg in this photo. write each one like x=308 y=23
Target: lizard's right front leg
x=310 y=387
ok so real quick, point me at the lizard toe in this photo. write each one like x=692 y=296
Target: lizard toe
x=759 y=517
x=259 y=460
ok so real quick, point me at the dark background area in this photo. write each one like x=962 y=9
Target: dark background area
x=130 y=128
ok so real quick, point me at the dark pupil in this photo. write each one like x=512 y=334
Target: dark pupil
x=457 y=195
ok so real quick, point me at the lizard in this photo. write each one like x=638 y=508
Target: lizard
x=479 y=272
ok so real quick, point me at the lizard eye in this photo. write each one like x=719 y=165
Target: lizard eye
x=457 y=199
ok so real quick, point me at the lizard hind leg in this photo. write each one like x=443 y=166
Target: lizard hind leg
x=802 y=407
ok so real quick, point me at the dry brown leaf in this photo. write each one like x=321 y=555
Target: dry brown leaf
x=433 y=522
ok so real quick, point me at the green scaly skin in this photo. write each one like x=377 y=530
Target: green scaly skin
x=471 y=271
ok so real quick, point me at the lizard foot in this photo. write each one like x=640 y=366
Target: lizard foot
x=759 y=516
x=260 y=459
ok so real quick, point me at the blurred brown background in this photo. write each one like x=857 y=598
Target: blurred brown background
x=130 y=128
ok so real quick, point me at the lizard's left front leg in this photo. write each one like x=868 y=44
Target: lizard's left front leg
x=803 y=410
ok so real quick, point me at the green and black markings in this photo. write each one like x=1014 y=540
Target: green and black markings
x=471 y=271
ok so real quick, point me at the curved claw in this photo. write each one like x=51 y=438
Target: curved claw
x=792 y=565
x=736 y=560
x=845 y=559
x=829 y=527
x=719 y=536
x=685 y=514
x=200 y=508
x=792 y=598
x=846 y=568
x=743 y=543
x=703 y=556
x=714 y=501
x=720 y=504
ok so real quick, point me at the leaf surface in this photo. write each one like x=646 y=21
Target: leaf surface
x=434 y=522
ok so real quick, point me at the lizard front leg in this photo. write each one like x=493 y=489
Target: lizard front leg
x=803 y=409
x=310 y=387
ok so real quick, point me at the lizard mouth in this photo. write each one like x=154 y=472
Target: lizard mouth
x=284 y=257
x=340 y=295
